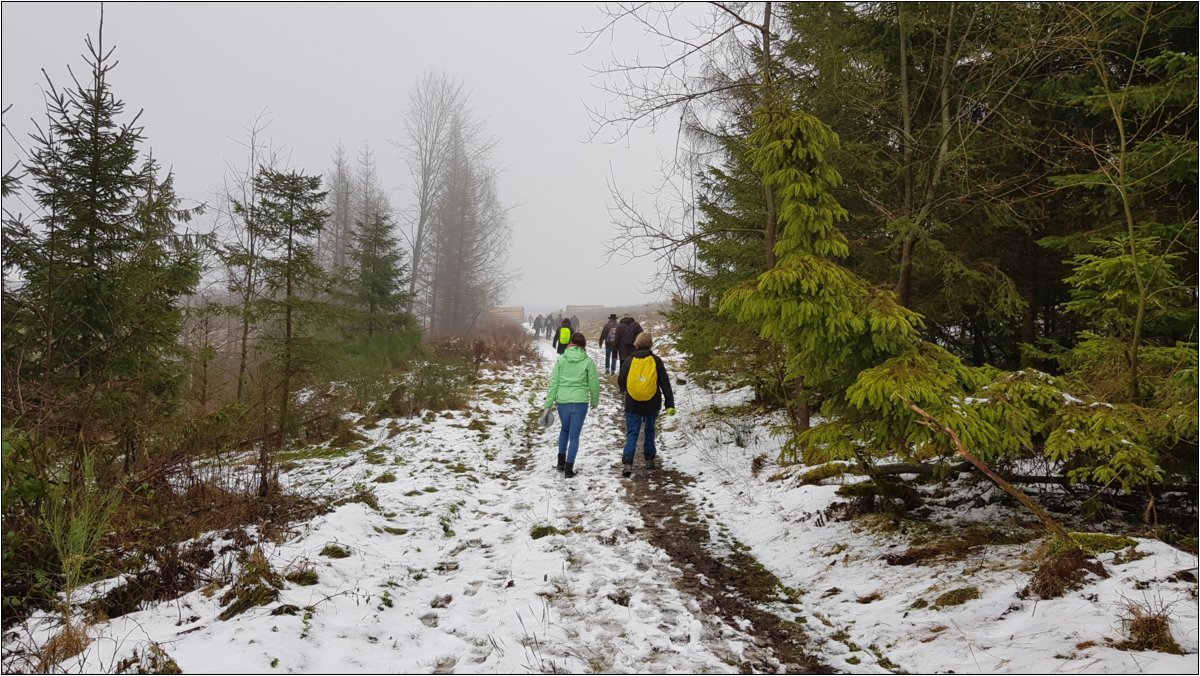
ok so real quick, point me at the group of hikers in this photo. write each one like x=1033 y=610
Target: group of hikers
x=574 y=384
x=549 y=323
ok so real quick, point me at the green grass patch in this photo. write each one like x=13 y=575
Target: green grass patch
x=956 y=597
x=335 y=551
x=386 y=601
x=304 y=577
x=1099 y=543
x=385 y=478
x=365 y=496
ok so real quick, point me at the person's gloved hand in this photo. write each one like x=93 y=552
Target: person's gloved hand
x=670 y=411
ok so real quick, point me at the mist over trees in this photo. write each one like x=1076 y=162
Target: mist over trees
x=141 y=337
x=459 y=227
x=937 y=238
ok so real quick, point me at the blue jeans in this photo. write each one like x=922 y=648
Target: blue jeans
x=571 y=416
x=611 y=363
x=633 y=424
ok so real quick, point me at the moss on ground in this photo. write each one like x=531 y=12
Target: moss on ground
x=542 y=530
x=829 y=470
x=956 y=597
x=304 y=577
x=335 y=551
x=1099 y=543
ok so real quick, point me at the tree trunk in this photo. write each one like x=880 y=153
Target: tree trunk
x=904 y=282
x=1030 y=294
x=769 y=97
x=803 y=408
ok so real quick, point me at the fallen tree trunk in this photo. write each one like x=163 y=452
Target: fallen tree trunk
x=1051 y=525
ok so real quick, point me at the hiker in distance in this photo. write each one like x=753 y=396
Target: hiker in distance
x=627 y=331
x=562 y=337
x=646 y=385
x=608 y=336
x=573 y=384
x=537 y=327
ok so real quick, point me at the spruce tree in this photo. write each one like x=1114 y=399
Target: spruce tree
x=831 y=322
x=93 y=315
x=287 y=220
x=728 y=252
x=378 y=275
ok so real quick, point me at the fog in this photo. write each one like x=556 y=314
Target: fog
x=328 y=73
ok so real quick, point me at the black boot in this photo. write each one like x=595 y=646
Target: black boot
x=570 y=470
x=626 y=468
x=562 y=461
x=650 y=463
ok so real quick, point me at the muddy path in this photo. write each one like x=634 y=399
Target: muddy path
x=728 y=582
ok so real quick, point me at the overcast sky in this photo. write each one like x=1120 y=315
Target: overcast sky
x=328 y=73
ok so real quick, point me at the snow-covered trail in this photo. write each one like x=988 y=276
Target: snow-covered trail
x=478 y=557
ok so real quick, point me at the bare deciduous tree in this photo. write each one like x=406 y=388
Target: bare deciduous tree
x=241 y=250
x=335 y=237
x=717 y=66
x=470 y=235
x=434 y=103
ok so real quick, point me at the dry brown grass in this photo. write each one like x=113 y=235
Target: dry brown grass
x=1060 y=572
x=1147 y=627
x=64 y=645
x=757 y=463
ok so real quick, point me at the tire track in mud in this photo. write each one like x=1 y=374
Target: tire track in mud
x=729 y=583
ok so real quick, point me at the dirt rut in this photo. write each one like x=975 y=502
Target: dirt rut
x=728 y=582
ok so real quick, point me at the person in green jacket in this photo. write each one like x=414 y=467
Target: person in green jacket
x=573 y=384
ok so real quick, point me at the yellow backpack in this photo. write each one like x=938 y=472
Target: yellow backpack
x=564 y=335
x=642 y=383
